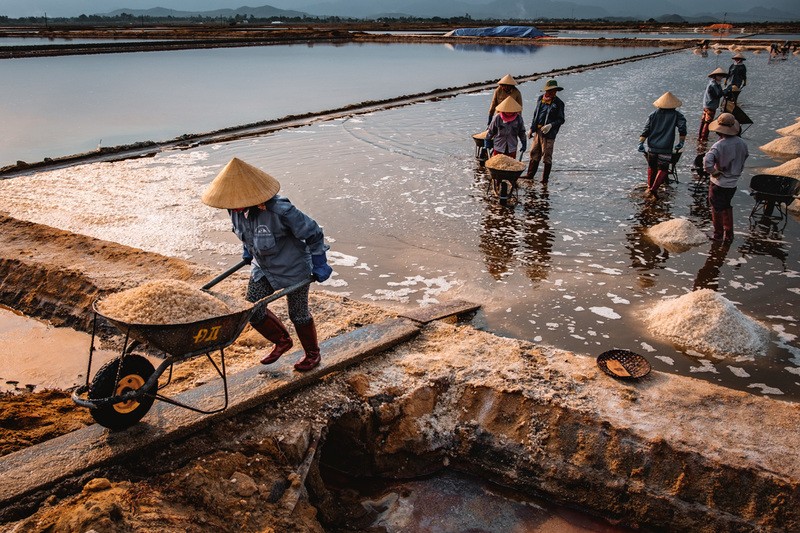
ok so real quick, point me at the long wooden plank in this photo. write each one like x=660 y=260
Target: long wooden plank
x=442 y=310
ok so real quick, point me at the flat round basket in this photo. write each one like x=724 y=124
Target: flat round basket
x=623 y=364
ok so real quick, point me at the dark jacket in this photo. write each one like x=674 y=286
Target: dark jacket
x=660 y=130
x=712 y=95
x=281 y=239
x=737 y=75
x=552 y=113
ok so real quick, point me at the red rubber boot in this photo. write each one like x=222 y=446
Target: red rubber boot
x=273 y=329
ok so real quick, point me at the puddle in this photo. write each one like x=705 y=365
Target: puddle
x=452 y=501
x=410 y=222
x=35 y=356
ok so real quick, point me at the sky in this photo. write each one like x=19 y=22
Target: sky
x=73 y=8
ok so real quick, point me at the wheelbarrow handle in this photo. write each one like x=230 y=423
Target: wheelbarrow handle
x=225 y=274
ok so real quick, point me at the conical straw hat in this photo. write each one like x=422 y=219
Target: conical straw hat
x=718 y=72
x=668 y=101
x=507 y=80
x=240 y=185
x=739 y=55
x=509 y=105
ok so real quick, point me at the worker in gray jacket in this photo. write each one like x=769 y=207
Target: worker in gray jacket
x=711 y=99
x=659 y=133
x=725 y=163
x=285 y=246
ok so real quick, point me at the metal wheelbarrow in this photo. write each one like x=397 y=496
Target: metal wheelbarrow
x=772 y=192
x=124 y=389
x=481 y=152
x=504 y=183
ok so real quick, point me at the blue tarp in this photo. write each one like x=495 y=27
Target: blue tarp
x=498 y=31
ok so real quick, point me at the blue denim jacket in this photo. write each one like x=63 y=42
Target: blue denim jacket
x=281 y=239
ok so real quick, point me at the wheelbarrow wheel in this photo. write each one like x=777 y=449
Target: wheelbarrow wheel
x=133 y=374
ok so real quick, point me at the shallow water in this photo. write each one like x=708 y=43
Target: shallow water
x=451 y=501
x=58 y=106
x=35 y=356
x=409 y=219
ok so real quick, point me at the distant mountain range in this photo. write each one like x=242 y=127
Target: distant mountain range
x=690 y=11
x=258 y=12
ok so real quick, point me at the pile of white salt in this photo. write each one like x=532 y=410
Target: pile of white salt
x=503 y=162
x=784 y=145
x=709 y=323
x=481 y=135
x=162 y=302
x=677 y=232
x=791 y=169
x=793 y=129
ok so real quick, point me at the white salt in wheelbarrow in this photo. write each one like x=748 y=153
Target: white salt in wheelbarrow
x=124 y=389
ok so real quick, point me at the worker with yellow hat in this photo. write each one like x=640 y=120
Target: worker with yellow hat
x=285 y=246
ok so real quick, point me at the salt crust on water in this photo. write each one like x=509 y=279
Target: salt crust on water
x=503 y=162
x=784 y=145
x=136 y=202
x=162 y=302
x=677 y=231
x=709 y=323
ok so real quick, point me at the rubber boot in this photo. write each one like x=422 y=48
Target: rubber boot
x=649 y=178
x=546 y=172
x=307 y=333
x=727 y=225
x=533 y=166
x=661 y=175
x=273 y=329
x=716 y=221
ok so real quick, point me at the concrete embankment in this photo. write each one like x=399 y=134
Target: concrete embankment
x=665 y=452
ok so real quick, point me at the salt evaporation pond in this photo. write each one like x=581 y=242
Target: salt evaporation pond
x=409 y=220
x=58 y=106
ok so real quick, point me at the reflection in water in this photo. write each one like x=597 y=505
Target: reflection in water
x=645 y=254
x=708 y=275
x=495 y=48
x=755 y=244
x=510 y=235
x=699 y=209
x=538 y=235
x=500 y=230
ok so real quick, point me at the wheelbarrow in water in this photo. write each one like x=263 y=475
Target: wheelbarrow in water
x=124 y=389
x=504 y=172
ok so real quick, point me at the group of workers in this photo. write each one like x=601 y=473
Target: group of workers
x=286 y=247
x=506 y=125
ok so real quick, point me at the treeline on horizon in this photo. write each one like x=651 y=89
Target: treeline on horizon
x=127 y=19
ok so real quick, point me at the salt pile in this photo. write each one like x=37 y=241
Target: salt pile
x=677 y=232
x=481 y=135
x=162 y=302
x=503 y=162
x=791 y=169
x=793 y=129
x=708 y=323
x=784 y=145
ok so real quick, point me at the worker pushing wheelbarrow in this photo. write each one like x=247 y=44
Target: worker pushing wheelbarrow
x=505 y=130
x=286 y=248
